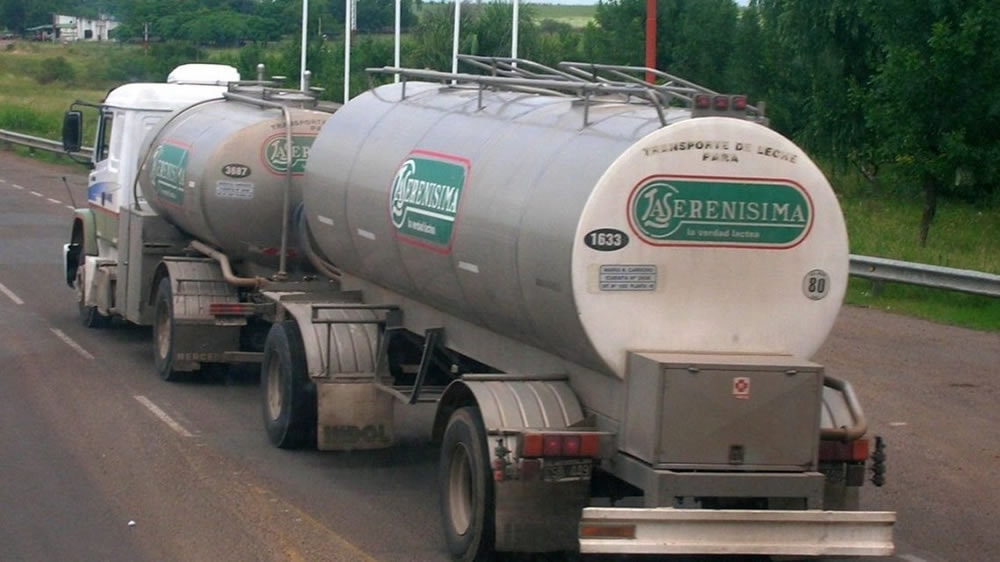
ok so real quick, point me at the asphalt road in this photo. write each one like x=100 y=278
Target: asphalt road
x=100 y=460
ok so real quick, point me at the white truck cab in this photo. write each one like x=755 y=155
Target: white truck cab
x=126 y=116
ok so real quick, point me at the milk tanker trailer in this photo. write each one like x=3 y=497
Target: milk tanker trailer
x=610 y=291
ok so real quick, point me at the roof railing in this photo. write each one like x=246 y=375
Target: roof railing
x=589 y=82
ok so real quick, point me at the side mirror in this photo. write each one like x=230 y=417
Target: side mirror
x=72 y=132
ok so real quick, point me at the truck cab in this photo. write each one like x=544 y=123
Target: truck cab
x=125 y=118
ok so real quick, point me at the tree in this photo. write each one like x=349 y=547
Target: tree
x=933 y=107
x=694 y=38
x=820 y=58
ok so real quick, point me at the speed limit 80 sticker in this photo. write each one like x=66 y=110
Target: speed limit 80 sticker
x=816 y=284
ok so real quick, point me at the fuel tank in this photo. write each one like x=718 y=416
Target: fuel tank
x=217 y=171
x=587 y=229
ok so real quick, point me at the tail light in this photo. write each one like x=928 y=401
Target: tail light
x=739 y=103
x=702 y=101
x=560 y=444
x=720 y=103
x=839 y=451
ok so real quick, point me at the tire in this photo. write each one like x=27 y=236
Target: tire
x=163 y=334
x=89 y=316
x=288 y=397
x=466 y=488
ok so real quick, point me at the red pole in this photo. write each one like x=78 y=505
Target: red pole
x=650 y=38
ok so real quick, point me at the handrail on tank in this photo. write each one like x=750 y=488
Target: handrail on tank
x=514 y=67
x=553 y=86
x=860 y=427
x=672 y=87
x=283 y=258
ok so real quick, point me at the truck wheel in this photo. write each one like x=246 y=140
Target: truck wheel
x=163 y=333
x=288 y=396
x=466 y=486
x=89 y=316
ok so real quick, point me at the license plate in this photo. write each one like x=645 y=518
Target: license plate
x=561 y=471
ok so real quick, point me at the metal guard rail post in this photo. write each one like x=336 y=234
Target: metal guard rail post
x=865 y=267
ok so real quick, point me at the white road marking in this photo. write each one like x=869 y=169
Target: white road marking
x=912 y=558
x=17 y=186
x=163 y=416
x=69 y=341
x=56 y=201
x=3 y=180
x=10 y=294
x=36 y=194
x=71 y=207
x=366 y=234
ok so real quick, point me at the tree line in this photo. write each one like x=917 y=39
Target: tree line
x=903 y=89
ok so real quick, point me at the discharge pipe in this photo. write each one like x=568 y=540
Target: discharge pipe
x=227 y=271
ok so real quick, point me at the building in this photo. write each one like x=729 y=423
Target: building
x=72 y=28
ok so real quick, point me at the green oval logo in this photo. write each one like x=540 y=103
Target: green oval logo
x=675 y=211
x=275 y=153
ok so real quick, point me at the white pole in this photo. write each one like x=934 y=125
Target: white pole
x=305 y=29
x=347 y=50
x=395 y=50
x=454 y=41
x=513 y=32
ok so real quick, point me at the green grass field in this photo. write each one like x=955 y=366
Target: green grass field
x=962 y=236
x=577 y=16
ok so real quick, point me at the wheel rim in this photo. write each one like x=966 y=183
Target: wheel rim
x=273 y=389
x=460 y=500
x=162 y=330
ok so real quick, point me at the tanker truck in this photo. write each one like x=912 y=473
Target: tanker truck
x=608 y=290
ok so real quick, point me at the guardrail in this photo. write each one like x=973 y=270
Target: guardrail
x=874 y=269
x=39 y=143
x=947 y=278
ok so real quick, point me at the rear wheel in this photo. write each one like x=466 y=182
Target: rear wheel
x=163 y=333
x=466 y=487
x=288 y=397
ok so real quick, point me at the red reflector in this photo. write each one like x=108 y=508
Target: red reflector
x=552 y=445
x=859 y=450
x=590 y=445
x=840 y=451
x=702 y=101
x=739 y=103
x=721 y=102
x=230 y=309
x=607 y=531
x=531 y=445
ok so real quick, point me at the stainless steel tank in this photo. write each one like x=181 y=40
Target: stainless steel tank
x=587 y=239
x=217 y=170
